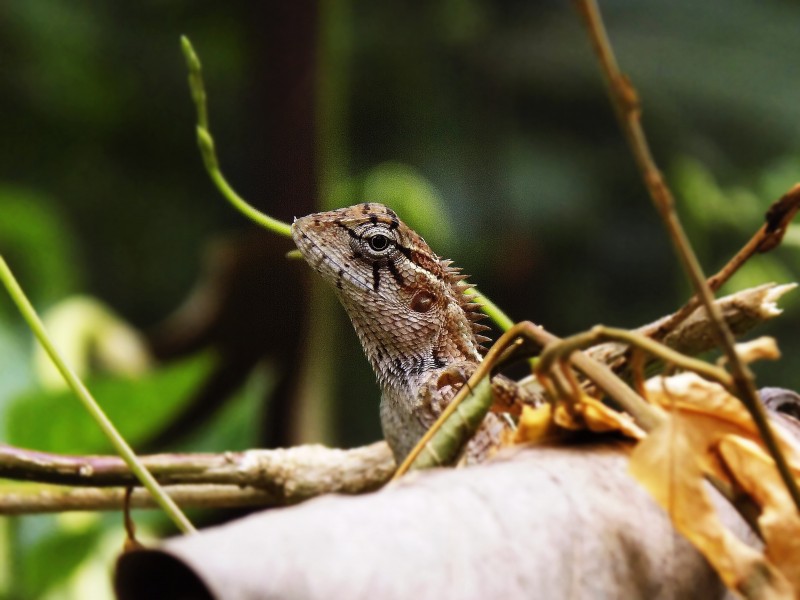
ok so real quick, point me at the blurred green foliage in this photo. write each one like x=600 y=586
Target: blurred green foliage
x=33 y=222
x=137 y=406
x=55 y=554
x=490 y=114
x=408 y=192
x=716 y=213
x=47 y=550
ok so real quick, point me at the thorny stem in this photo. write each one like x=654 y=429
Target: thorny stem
x=626 y=104
x=90 y=404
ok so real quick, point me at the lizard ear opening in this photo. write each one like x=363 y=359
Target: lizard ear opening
x=423 y=301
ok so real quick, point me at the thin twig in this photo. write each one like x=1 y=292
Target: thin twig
x=96 y=499
x=626 y=104
x=600 y=333
x=768 y=237
x=743 y=310
x=644 y=415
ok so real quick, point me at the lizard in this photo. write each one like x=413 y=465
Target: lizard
x=419 y=329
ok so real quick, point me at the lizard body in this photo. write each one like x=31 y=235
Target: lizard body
x=417 y=326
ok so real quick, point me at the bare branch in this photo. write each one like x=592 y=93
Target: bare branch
x=254 y=477
x=768 y=237
x=693 y=335
x=81 y=499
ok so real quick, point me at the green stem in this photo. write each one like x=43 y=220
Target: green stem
x=89 y=403
x=502 y=320
x=208 y=151
x=206 y=143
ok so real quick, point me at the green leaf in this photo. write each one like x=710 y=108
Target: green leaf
x=90 y=336
x=413 y=197
x=56 y=422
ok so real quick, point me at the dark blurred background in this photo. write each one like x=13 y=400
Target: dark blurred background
x=485 y=124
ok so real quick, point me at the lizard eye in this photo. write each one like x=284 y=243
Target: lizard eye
x=379 y=242
x=373 y=242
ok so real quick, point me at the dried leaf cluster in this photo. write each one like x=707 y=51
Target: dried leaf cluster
x=705 y=434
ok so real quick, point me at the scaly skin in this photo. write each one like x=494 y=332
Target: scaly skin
x=416 y=325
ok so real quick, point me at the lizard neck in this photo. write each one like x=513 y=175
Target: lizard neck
x=403 y=351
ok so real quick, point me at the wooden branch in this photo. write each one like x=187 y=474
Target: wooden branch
x=693 y=334
x=254 y=477
x=95 y=499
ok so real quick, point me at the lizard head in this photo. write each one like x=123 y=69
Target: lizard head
x=407 y=305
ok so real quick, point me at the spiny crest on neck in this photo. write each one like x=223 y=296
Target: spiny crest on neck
x=472 y=310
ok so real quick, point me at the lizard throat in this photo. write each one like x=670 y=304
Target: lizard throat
x=402 y=361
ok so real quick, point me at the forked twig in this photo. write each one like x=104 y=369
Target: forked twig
x=601 y=333
x=626 y=105
x=768 y=237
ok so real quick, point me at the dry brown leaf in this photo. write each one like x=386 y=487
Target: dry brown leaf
x=670 y=463
x=690 y=392
x=673 y=461
x=601 y=418
x=755 y=473
x=763 y=348
x=565 y=417
x=535 y=424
